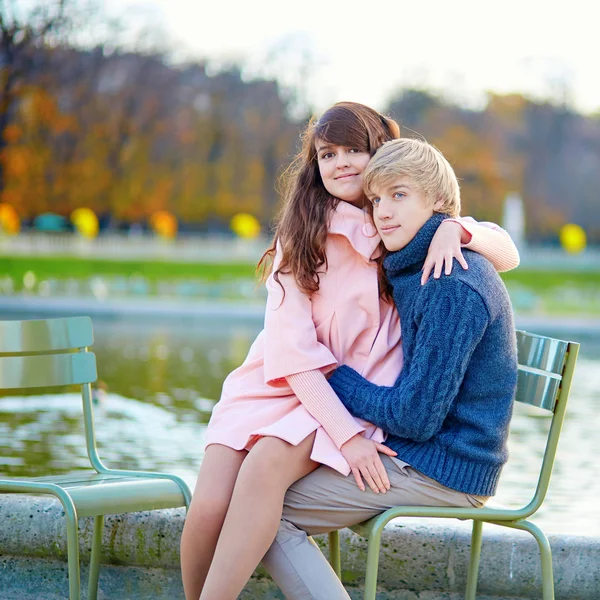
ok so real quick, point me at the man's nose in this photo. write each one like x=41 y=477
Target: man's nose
x=383 y=210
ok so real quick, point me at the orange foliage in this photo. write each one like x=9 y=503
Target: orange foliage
x=144 y=145
x=12 y=134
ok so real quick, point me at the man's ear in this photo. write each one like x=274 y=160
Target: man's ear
x=437 y=207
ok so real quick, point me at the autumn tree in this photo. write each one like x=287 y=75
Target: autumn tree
x=545 y=152
x=464 y=137
x=21 y=34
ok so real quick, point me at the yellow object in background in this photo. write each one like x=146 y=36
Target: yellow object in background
x=164 y=223
x=573 y=238
x=9 y=219
x=245 y=226
x=86 y=222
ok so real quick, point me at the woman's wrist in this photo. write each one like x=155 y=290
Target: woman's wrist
x=354 y=437
x=465 y=236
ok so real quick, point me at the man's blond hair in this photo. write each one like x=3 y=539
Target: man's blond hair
x=423 y=163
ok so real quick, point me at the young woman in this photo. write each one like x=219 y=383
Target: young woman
x=327 y=305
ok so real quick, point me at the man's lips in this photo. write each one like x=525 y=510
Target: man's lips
x=388 y=229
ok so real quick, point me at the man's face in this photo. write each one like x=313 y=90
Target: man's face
x=400 y=209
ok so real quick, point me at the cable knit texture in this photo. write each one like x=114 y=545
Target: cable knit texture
x=448 y=413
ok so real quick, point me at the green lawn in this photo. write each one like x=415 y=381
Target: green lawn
x=543 y=280
x=531 y=290
x=48 y=267
x=63 y=268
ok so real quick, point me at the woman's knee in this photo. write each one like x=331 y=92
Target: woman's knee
x=207 y=510
x=268 y=455
x=274 y=460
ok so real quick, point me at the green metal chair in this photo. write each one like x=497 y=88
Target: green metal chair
x=546 y=368
x=54 y=352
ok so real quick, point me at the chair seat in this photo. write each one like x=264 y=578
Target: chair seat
x=492 y=511
x=104 y=494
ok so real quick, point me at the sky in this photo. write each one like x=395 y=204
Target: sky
x=336 y=50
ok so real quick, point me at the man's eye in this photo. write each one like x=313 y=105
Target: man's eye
x=399 y=195
x=375 y=201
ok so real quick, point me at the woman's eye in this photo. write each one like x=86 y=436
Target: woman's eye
x=326 y=155
x=399 y=195
x=375 y=201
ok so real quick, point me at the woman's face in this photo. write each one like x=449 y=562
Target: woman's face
x=341 y=169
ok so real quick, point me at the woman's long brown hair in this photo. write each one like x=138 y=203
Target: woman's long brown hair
x=303 y=222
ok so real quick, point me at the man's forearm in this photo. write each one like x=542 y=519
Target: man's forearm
x=416 y=406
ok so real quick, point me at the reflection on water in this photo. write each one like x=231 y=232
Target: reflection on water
x=163 y=379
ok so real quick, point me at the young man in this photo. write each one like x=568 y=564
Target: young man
x=447 y=416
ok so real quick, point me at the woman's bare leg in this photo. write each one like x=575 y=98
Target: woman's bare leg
x=254 y=513
x=216 y=480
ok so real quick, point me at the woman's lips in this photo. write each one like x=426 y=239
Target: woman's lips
x=346 y=176
x=388 y=230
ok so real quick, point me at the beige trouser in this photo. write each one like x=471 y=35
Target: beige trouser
x=324 y=501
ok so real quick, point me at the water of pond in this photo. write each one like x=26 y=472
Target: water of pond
x=163 y=379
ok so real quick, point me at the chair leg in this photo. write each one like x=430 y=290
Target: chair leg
x=334 y=553
x=72 y=545
x=545 y=554
x=473 y=571
x=374 y=544
x=95 y=557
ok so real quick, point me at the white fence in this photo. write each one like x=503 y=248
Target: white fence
x=139 y=247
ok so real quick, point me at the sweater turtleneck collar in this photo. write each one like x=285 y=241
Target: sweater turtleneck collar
x=414 y=253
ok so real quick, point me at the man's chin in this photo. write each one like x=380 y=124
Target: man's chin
x=392 y=246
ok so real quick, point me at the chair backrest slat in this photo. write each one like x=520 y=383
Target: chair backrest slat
x=45 y=336
x=556 y=390
x=537 y=388
x=540 y=352
x=47 y=370
x=541 y=362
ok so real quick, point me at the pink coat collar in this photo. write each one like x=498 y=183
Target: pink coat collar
x=357 y=226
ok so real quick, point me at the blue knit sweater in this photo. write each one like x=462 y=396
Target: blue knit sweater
x=448 y=413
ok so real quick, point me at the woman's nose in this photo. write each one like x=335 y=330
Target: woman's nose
x=342 y=159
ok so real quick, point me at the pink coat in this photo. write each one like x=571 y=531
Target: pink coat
x=345 y=322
